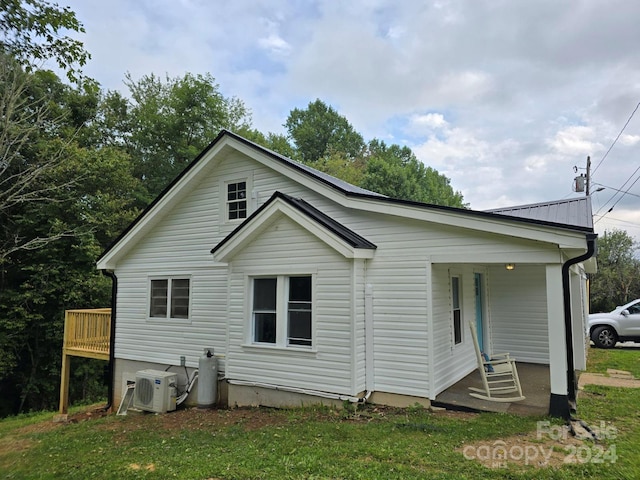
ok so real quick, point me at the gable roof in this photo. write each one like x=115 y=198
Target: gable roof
x=342 y=192
x=572 y=211
x=342 y=239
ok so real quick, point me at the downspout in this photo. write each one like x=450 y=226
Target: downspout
x=559 y=410
x=112 y=337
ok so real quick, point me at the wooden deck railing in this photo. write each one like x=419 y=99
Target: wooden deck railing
x=86 y=333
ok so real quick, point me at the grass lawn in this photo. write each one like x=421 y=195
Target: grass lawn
x=324 y=443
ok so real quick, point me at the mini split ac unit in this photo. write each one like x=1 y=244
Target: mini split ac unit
x=155 y=391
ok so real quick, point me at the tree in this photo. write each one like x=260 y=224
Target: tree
x=166 y=124
x=32 y=35
x=319 y=131
x=327 y=141
x=61 y=203
x=618 y=278
x=395 y=171
x=273 y=141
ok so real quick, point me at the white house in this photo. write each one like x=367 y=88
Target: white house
x=310 y=289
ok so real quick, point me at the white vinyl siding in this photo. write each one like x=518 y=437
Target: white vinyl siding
x=166 y=341
x=400 y=325
x=179 y=244
x=285 y=249
x=519 y=312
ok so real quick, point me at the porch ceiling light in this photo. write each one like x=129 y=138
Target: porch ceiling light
x=510 y=266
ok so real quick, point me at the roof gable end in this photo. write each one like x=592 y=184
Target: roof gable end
x=340 y=238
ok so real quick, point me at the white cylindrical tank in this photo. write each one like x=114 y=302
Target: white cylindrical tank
x=207 y=379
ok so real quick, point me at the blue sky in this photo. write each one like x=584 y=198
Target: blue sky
x=504 y=97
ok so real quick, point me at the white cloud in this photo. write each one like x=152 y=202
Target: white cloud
x=504 y=98
x=575 y=141
x=275 y=44
x=629 y=140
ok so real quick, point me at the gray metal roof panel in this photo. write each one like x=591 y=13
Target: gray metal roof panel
x=573 y=211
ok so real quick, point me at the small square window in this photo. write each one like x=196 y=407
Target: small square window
x=169 y=297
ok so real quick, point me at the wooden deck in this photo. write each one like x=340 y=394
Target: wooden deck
x=86 y=334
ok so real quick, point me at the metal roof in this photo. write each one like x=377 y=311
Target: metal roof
x=573 y=211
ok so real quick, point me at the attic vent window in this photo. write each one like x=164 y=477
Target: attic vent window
x=237 y=200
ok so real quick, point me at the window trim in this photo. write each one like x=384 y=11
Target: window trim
x=282 y=312
x=169 y=299
x=224 y=202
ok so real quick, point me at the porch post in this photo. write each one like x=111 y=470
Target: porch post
x=559 y=400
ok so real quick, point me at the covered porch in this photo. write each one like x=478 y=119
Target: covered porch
x=536 y=387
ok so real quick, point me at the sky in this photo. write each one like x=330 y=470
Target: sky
x=507 y=98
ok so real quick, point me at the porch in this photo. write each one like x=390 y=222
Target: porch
x=536 y=387
x=86 y=334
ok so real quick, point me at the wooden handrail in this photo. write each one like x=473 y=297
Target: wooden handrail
x=87 y=331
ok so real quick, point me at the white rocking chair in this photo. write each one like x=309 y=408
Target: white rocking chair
x=499 y=375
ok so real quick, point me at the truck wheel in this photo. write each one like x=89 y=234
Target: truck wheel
x=604 y=337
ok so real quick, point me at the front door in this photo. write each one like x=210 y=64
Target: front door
x=478 y=280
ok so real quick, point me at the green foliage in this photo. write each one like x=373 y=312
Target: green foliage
x=62 y=202
x=167 y=123
x=327 y=141
x=33 y=33
x=602 y=359
x=305 y=443
x=396 y=172
x=319 y=130
x=273 y=141
x=618 y=278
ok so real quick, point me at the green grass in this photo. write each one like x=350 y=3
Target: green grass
x=617 y=358
x=309 y=443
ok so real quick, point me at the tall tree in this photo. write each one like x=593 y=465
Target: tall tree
x=618 y=278
x=395 y=171
x=320 y=131
x=167 y=123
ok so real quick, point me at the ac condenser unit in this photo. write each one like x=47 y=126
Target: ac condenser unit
x=155 y=391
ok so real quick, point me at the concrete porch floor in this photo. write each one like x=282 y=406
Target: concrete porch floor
x=536 y=388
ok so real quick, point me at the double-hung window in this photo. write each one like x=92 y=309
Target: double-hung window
x=236 y=200
x=282 y=310
x=456 y=310
x=169 y=298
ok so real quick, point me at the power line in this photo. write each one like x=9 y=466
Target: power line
x=616 y=140
x=620 y=190
x=617 y=190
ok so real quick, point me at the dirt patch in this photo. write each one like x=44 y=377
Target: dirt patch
x=553 y=447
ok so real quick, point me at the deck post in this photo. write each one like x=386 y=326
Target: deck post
x=64 y=384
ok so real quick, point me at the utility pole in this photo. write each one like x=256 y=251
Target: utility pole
x=587 y=190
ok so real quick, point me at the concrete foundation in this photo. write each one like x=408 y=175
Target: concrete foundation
x=246 y=396
x=396 y=400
